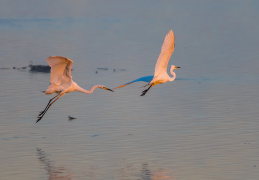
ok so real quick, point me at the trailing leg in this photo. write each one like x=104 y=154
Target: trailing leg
x=40 y=116
x=145 y=91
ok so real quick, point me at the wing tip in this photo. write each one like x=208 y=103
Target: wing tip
x=169 y=39
x=170 y=33
x=61 y=57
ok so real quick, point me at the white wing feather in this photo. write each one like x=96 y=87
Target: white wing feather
x=60 y=69
x=166 y=52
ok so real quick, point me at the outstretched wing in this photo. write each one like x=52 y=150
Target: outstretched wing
x=145 y=79
x=166 y=52
x=60 y=69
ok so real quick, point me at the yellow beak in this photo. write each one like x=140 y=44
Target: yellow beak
x=107 y=89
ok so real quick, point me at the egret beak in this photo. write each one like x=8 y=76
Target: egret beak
x=177 y=67
x=107 y=89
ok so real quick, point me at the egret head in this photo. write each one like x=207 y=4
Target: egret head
x=172 y=72
x=174 y=67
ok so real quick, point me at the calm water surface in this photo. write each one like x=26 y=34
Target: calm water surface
x=202 y=126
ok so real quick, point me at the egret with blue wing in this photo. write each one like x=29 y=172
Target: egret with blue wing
x=61 y=81
x=160 y=76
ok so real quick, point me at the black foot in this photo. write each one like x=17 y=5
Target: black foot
x=41 y=113
x=144 y=92
x=39 y=118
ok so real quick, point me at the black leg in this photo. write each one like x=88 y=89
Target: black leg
x=40 y=116
x=48 y=104
x=145 y=91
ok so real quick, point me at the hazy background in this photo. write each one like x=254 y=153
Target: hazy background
x=202 y=126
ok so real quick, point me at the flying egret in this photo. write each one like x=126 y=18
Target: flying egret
x=160 y=76
x=61 y=81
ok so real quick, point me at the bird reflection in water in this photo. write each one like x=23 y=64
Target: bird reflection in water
x=54 y=173
x=145 y=172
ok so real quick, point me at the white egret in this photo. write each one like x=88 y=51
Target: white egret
x=160 y=76
x=61 y=81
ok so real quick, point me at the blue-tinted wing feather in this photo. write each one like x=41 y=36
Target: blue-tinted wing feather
x=144 y=79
